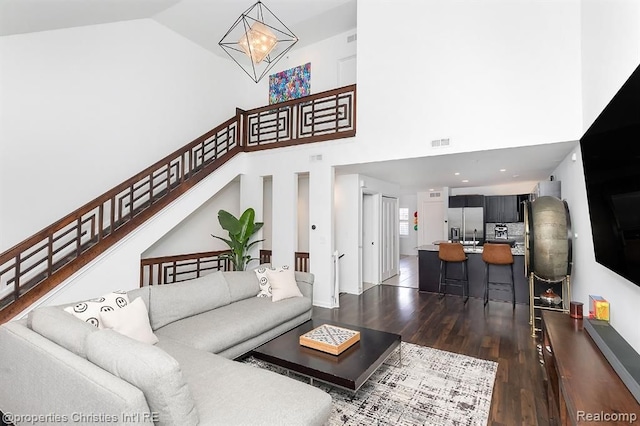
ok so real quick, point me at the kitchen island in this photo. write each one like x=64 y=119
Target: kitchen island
x=429 y=270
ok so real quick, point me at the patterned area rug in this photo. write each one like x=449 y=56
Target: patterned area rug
x=431 y=387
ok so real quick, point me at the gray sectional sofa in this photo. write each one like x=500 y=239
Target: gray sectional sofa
x=58 y=367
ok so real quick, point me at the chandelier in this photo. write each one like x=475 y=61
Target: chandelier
x=257 y=40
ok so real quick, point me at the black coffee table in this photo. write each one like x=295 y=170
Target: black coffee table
x=349 y=370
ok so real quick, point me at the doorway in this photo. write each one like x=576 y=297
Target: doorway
x=390 y=242
x=370 y=218
x=380 y=239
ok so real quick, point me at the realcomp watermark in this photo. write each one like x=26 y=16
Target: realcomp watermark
x=583 y=416
x=78 y=417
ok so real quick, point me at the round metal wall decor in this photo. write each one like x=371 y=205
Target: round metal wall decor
x=548 y=239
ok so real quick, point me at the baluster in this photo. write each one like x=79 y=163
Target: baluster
x=100 y=222
x=151 y=188
x=297 y=118
x=131 y=202
x=313 y=117
x=93 y=226
x=175 y=271
x=50 y=255
x=113 y=214
x=150 y=272
x=198 y=268
x=337 y=113
x=79 y=237
x=16 y=279
x=181 y=167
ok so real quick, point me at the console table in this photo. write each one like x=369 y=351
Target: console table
x=582 y=387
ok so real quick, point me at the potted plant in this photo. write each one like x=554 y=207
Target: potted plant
x=240 y=230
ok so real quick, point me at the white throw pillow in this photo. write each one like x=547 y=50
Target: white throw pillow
x=89 y=311
x=283 y=284
x=265 y=285
x=132 y=321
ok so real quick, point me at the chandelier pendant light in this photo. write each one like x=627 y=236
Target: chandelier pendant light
x=257 y=40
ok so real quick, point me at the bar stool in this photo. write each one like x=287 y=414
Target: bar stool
x=497 y=255
x=453 y=253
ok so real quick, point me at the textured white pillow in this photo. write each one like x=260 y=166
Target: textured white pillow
x=132 y=321
x=89 y=311
x=283 y=284
x=265 y=285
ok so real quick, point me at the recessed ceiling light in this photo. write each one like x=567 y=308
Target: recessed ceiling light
x=431 y=189
x=457 y=173
x=515 y=176
x=503 y=170
x=465 y=180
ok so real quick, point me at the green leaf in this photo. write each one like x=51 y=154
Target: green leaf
x=229 y=222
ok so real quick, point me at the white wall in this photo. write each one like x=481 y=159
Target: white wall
x=348 y=234
x=324 y=57
x=268 y=212
x=484 y=74
x=119 y=267
x=303 y=213
x=194 y=234
x=494 y=77
x=610 y=52
x=83 y=109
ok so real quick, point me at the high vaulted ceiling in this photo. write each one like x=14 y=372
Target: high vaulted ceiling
x=206 y=21
x=202 y=21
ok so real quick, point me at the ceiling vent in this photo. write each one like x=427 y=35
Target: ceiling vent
x=435 y=195
x=352 y=38
x=438 y=143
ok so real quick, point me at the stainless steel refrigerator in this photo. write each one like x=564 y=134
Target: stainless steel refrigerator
x=466 y=220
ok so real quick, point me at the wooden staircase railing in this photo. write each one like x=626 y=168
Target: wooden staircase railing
x=173 y=269
x=38 y=264
x=301 y=259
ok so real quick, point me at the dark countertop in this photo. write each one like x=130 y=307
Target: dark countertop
x=518 y=250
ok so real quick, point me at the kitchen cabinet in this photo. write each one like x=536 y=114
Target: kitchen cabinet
x=501 y=209
x=522 y=198
x=466 y=201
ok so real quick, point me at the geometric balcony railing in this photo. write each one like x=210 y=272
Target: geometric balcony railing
x=176 y=268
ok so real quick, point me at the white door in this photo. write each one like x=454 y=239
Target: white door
x=431 y=221
x=390 y=241
x=369 y=239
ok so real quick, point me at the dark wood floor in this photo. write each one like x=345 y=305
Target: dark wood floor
x=496 y=333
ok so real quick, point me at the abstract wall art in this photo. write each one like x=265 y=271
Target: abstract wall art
x=293 y=83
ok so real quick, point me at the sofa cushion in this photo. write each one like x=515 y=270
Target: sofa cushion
x=61 y=327
x=263 y=278
x=283 y=284
x=89 y=310
x=222 y=328
x=150 y=369
x=171 y=302
x=132 y=321
x=142 y=292
x=242 y=284
x=305 y=283
x=232 y=393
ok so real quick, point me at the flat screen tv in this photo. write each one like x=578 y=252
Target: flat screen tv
x=611 y=159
